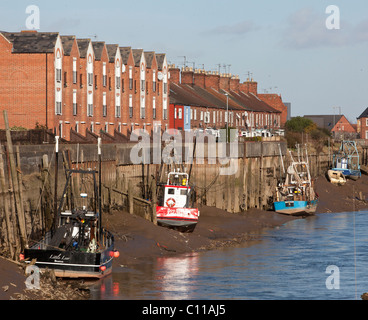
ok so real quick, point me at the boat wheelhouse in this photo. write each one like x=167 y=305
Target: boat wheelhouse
x=346 y=160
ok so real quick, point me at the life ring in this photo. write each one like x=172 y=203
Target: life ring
x=170 y=202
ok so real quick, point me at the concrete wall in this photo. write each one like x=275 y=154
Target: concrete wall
x=251 y=186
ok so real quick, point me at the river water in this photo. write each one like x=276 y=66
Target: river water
x=321 y=257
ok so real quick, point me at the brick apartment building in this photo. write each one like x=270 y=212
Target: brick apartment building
x=200 y=99
x=362 y=125
x=75 y=86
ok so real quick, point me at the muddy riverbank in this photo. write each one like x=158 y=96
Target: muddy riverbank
x=137 y=238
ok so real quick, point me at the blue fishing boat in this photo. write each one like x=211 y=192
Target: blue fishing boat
x=295 y=195
x=346 y=160
x=292 y=207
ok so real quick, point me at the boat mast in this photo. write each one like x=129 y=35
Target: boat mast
x=99 y=187
x=56 y=182
x=282 y=160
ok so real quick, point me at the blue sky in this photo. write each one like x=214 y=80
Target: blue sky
x=284 y=44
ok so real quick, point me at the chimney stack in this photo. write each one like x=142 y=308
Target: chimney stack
x=249 y=86
x=212 y=80
x=234 y=83
x=225 y=81
x=199 y=77
x=187 y=75
x=174 y=74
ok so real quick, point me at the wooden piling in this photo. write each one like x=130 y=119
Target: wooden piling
x=13 y=171
x=130 y=198
x=4 y=192
x=154 y=200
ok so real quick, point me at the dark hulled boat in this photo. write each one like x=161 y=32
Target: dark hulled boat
x=77 y=245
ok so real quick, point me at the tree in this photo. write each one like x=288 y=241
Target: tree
x=299 y=124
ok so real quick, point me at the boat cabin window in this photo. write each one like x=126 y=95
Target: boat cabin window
x=171 y=191
x=183 y=192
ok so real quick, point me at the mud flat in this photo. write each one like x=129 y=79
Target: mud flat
x=137 y=238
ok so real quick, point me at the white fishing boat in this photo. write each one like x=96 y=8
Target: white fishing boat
x=336 y=177
x=174 y=209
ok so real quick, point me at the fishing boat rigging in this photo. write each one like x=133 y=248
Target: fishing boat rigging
x=77 y=246
x=295 y=194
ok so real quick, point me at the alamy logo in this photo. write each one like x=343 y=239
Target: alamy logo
x=333 y=280
x=333 y=20
x=174 y=146
x=33 y=279
x=33 y=20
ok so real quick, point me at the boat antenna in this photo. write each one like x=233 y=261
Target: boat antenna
x=99 y=185
x=194 y=150
x=56 y=181
x=282 y=160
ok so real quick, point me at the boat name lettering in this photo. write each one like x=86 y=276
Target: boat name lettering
x=59 y=257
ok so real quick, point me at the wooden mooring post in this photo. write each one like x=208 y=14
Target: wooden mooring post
x=4 y=197
x=16 y=187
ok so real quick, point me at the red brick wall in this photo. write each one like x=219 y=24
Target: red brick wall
x=99 y=91
x=68 y=92
x=126 y=120
x=187 y=77
x=199 y=78
x=212 y=81
x=344 y=125
x=234 y=84
x=249 y=87
x=174 y=75
x=363 y=127
x=225 y=83
x=275 y=101
x=23 y=87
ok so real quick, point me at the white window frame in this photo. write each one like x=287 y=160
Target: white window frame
x=58 y=102
x=117 y=106
x=104 y=105
x=154 y=108
x=75 y=76
x=89 y=104
x=75 y=105
x=130 y=106
x=104 y=75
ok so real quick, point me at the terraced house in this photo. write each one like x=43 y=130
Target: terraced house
x=77 y=87
x=201 y=99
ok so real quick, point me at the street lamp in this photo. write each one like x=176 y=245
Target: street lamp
x=227 y=115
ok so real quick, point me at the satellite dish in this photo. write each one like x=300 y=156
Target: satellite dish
x=160 y=76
